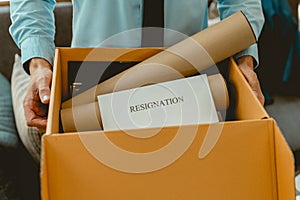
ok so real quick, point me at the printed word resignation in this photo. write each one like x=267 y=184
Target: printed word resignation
x=155 y=104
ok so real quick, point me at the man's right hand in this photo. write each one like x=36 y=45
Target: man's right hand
x=38 y=94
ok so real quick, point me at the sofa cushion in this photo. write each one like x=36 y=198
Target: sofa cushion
x=30 y=136
x=8 y=133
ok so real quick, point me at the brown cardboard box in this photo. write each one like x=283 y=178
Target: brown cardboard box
x=243 y=159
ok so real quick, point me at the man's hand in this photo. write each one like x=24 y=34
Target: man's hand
x=246 y=65
x=38 y=94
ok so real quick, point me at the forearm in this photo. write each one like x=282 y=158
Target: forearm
x=33 y=28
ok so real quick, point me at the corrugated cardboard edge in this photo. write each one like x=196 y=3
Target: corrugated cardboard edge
x=53 y=115
x=44 y=171
x=285 y=171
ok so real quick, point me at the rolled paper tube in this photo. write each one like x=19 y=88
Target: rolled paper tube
x=185 y=58
x=86 y=117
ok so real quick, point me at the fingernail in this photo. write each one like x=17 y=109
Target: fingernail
x=45 y=98
x=255 y=93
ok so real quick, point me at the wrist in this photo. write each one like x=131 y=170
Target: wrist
x=246 y=60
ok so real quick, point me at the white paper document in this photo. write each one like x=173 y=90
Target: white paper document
x=180 y=102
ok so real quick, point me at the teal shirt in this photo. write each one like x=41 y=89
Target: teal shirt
x=94 y=22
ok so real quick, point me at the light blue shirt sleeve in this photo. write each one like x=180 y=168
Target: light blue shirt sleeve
x=33 y=28
x=94 y=22
x=252 y=9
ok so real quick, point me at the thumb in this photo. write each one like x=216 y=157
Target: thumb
x=44 y=91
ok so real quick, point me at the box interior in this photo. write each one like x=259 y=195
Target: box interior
x=243 y=104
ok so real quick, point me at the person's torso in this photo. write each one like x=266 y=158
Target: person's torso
x=117 y=22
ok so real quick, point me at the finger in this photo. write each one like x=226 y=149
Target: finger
x=33 y=120
x=255 y=86
x=261 y=97
x=44 y=89
x=255 y=93
x=40 y=123
x=40 y=109
x=32 y=102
